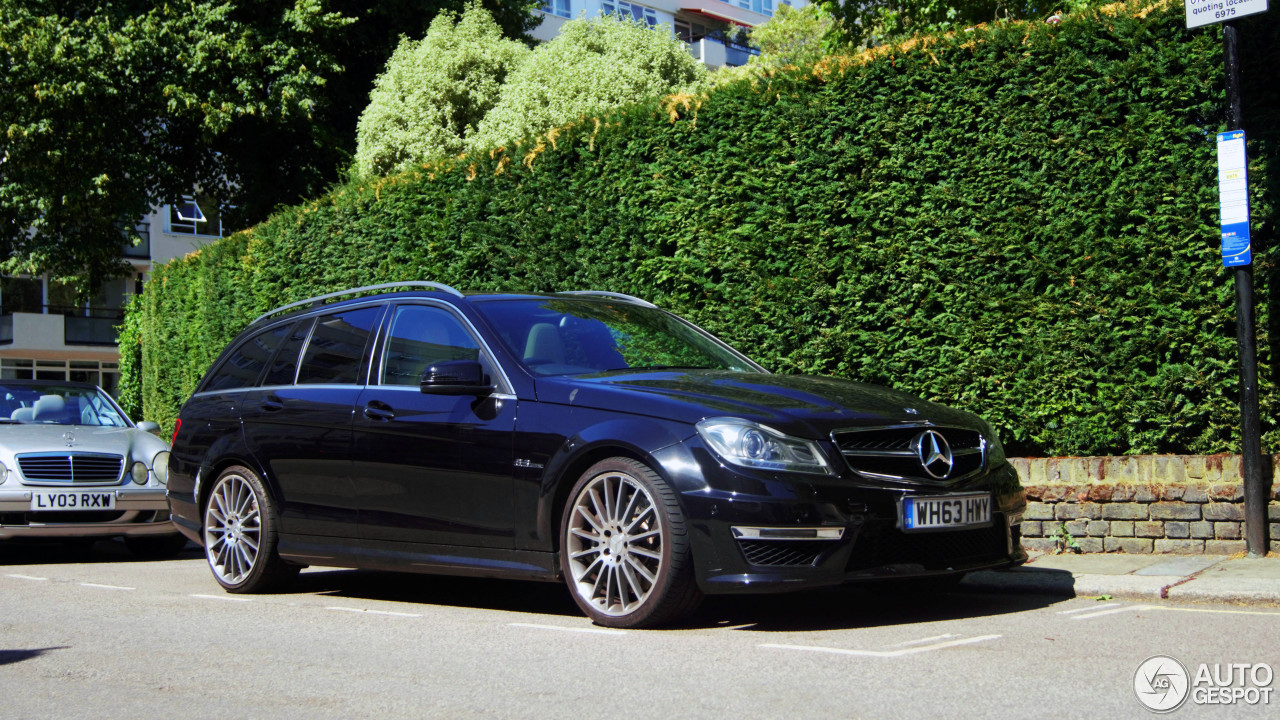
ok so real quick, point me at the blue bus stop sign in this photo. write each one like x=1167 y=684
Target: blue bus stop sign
x=1233 y=199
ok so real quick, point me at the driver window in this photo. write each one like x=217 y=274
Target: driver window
x=421 y=336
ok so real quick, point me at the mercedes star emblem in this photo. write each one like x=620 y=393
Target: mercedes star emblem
x=934 y=453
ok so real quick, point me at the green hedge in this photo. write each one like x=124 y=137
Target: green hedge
x=1018 y=220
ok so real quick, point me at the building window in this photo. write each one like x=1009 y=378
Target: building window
x=556 y=7
x=24 y=295
x=764 y=7
x=195 y=215
x=638 y=12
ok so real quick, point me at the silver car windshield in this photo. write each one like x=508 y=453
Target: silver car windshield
x=589 y=336
x=54 y=404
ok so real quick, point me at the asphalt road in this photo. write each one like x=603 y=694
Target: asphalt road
x=99 y=635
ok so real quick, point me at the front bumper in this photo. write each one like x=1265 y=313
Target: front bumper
x=854 y=527
x=139 y=512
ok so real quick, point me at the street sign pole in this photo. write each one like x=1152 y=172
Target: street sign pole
x=1255 y=500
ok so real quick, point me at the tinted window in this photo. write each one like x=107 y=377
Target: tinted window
x=578 y=336
x=337 y=346
x=242 y=367
x=285 y=366
x=419 y=337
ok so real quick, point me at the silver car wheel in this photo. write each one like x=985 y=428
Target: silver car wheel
x=614 y=544
x=233 y=529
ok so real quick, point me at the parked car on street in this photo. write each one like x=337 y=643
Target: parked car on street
x=590 y=438
x=73 y=466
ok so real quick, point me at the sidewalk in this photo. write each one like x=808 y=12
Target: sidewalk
x=1187 y=578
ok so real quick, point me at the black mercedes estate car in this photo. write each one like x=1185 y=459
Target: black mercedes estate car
x=588 y=437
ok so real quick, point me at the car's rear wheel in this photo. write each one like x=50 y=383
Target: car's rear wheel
x=624 y=548
x=240 y=534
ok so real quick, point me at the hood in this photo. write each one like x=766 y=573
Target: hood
x=799 y=405
x=130 y=442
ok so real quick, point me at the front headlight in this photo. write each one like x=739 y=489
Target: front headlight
x=160 y=466
x=995 y=451
x=4 y=472
x=752 y=445
x=139 y=473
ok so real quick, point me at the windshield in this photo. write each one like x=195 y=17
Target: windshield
x=55 y=404
x=585 y=336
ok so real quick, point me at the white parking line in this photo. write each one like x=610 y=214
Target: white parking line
x=227 y=598
x=596 y=631
x=885 y=653
x=1210 y=610
x=1088 y=608
x=372 y=612
x=106 y=587
x=26 y=577
x=1114 y=611
x=926 y=641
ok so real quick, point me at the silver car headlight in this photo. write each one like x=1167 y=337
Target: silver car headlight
x=160 y=466
x=4 y=472
x=748 y=444
x=139 y=473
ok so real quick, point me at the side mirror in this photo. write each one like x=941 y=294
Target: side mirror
x=456 y=377
x=148 y=426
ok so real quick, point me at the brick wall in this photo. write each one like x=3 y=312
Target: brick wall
x=1186 y=504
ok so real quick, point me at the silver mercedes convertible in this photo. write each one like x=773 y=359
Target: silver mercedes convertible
x=73 y=466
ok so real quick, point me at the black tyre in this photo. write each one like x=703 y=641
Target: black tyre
x=240 y=526
x=156 y=547
x=624 y=548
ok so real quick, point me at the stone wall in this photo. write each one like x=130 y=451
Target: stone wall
x=1186 y=504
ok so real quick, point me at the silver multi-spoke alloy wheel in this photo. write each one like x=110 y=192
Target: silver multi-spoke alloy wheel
x=232 y=529
x=614 y=543
x=624 y=547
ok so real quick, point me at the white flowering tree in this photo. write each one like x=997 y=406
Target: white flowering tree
x=434 y=92
x=593 y=64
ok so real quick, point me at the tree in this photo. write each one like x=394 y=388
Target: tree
x=593 y=64
x=113 y=107
x=435 y=92
x=793 y=36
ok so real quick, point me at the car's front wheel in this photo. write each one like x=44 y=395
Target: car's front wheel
x=240 y=534
x=624 y=548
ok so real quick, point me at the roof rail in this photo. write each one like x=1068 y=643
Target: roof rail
x=606 y=294
x=319 y=299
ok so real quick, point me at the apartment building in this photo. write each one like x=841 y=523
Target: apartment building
x=695 y=22
x=46 y=334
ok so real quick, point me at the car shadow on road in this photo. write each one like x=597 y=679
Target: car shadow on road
x=70 y=552
x=829 y=609
x=9 y=657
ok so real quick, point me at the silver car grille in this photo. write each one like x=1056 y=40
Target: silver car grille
x=891 y=453
x=71 y=468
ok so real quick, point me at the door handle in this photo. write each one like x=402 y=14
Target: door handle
x=272 y=403
x=379 y=411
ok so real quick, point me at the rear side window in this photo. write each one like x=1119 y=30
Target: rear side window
x=242 y=367
x=337 y=345
x=285 y=366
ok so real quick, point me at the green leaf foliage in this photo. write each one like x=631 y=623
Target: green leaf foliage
x=1019 y=220
x=434 y=92
x=592 y=65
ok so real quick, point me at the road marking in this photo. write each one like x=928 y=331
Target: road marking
x=1113 y=611
x=925 y=641
x=26 y=577
x=106 y=587
x=372 y=612
x=222 y=597
x=1088 y=608
x=596 y=631
x=885 y=653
